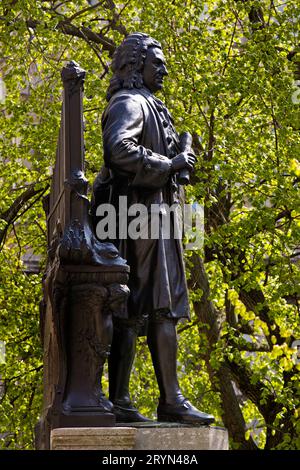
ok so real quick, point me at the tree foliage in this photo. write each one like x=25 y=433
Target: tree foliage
x=233 y=70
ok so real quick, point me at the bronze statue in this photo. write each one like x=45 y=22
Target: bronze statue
x=143 y=158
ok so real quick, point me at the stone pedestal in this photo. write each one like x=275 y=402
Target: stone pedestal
x=181 y=438
x=161 y=437
x=93 y=438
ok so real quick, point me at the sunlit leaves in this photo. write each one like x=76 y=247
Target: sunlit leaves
x=231 y=82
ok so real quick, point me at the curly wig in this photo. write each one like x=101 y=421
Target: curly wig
x=128 y=62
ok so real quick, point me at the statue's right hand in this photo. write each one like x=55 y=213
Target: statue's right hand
x=184 y=160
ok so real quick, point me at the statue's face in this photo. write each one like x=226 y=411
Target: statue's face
x=154 y=69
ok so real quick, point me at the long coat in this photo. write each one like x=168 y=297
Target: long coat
x=139 y=141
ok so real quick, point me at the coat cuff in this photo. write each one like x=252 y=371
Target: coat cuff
x=154 y=171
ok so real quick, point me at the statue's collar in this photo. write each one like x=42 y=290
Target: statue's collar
x=149 y=96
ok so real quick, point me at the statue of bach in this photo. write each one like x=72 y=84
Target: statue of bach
x=143 y=159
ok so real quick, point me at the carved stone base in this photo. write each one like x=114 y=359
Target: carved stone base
x=160 y=437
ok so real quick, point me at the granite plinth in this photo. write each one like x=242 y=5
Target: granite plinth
x=93 y=438
x=161 y=437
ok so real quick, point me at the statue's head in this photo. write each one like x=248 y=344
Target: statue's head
x=137 y=62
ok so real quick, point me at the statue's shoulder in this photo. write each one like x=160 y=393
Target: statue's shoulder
x=131 y=102
x=134 y=95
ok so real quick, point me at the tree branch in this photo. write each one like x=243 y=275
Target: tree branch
x=254 y=390
x=67 y=28
x=254 y=300
x=85 y=10
x=206 y=313
x=13 y=212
